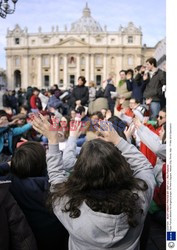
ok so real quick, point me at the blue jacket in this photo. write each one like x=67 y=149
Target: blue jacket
x=137 y=86
x=11 y=133
x=54 y=102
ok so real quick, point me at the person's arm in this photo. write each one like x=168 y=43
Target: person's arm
x=141 y=167
x=55 y=167
x=152 y=141
x=21 y=130
x=107 y=92
x=129 y=85
x=69 y=153
x=19 y=116
x=85 y=98
x=127 y=94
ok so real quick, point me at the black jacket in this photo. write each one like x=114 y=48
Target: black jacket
x=6 y=100
x=15 y=232
x=154 y=86
x=80 y=93
x=109 y=88
x=137 y=86
x=31 y=194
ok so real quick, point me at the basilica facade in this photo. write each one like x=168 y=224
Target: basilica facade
x=59 y=57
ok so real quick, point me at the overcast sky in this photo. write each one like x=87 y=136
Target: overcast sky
x=150 y=15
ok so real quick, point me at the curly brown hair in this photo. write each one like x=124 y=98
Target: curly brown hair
x=103 y=179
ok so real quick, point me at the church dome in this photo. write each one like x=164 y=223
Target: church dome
x=86 y=23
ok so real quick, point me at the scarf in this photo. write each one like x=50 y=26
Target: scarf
x=121 y=82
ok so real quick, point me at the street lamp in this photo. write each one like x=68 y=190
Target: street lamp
x=5 y=8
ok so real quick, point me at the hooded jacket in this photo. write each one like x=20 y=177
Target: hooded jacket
x=31 y=195
x=94 y=230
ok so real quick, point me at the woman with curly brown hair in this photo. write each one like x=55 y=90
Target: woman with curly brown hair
x=104 y=201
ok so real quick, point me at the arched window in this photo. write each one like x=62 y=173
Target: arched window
x=17 y=78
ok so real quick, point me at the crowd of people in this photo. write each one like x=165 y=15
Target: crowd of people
x=84 y=168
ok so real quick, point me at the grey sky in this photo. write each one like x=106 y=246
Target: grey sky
x=150 y=15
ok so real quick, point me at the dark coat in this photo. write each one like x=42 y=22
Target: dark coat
x=111 y=102
x=80 y=93
x=15 y=232
x=31 y=195
x=6 y=100
x=137 y=86
x=154 y=86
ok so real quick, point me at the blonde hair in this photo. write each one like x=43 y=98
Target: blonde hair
x=92 y=84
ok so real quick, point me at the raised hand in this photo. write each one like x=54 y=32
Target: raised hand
x=106 y=132
x=41 y=125
x=129 y=131
x=75 y=128
x=108 y=114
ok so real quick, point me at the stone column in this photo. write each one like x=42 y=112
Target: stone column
x=137 y=60
x=92 y=75
x=119 y=65
x=105 y=68
x=39 y=72
x=52 y=70
x=25 y=72
x=87 y=69
x=78 y=68
x=56 y=69
x=10 y=73
x=65 y=73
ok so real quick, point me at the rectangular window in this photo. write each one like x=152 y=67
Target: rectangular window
x=45 y=62
x=112 y=40
x=98 y=60
x=72 y=79
x=130 y=39
x=46 y=80
x=17 y=40
x=98 y=80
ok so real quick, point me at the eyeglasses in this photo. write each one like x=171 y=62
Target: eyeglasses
x=161 y=117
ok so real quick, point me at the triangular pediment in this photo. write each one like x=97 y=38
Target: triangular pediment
x=70 y=41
